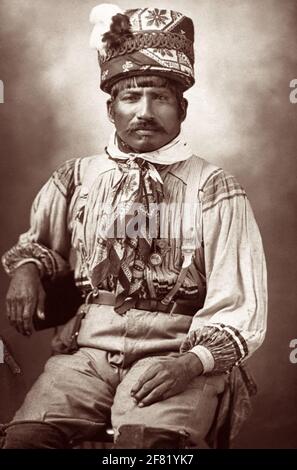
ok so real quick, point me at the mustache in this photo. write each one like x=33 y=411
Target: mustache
x=146 y=125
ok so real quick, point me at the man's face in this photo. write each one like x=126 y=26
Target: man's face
x=146 y=118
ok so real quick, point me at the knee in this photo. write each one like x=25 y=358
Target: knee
x=32 y=435
x=137 y=436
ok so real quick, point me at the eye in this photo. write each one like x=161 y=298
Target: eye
x=129 y=98
x=162 y=97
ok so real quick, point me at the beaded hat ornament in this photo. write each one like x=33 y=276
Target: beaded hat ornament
x=142 y=41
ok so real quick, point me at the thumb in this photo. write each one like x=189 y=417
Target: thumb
x=40 y=305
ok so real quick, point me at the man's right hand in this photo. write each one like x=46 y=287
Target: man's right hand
x=25 y=296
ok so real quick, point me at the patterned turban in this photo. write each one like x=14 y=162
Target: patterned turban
x=142 y=41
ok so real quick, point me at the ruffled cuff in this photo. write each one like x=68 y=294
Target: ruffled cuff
x=49 y=262
x=221 y=343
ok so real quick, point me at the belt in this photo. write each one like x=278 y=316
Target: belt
x=181 y=307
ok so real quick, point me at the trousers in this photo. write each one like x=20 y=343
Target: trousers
x=79 y=394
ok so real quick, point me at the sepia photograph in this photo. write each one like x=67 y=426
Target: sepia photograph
x=148 y=242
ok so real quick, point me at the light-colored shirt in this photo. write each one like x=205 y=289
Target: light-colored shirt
x=228 y=271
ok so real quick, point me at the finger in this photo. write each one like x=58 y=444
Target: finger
x=27 y=317
x=19 y=317
x=12 y=312
x=40 y=306
x=40 y=314
x=146 y=388
x=157 y=394
x=148 y=375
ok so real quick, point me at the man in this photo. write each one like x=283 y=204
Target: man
x=175 y=298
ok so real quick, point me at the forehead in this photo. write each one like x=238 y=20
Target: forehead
x=150 y=90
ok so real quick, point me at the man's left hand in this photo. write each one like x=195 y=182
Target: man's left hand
x=166 y=378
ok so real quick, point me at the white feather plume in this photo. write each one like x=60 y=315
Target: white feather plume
x=101 y=17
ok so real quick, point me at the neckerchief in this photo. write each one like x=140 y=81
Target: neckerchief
x=125 y=251
x=175 y=151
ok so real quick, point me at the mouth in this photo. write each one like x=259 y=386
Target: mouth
x=146 y=132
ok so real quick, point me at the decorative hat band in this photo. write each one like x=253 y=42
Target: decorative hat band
x=146 y=40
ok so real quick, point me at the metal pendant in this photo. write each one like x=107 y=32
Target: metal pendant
x=155 y=259
x=163 y=246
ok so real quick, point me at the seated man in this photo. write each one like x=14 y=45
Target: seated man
x=167 y=254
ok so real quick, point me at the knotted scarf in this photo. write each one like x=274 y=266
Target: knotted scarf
x=125 y=249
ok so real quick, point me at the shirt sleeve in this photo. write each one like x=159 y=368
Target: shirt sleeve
x=48 y=240
x=232 y=323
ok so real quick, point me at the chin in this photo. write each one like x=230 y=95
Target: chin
x=146 y=148
x=146 y=145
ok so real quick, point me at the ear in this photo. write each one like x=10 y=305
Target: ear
x=184 y=109
x=109 y=104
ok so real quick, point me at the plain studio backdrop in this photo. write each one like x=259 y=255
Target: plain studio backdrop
x=240 y=117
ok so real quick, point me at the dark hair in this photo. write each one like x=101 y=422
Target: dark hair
x=147 y=81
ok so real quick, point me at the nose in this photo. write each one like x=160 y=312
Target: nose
x=145 y=110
